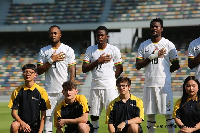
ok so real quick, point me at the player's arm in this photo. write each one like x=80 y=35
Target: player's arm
x=86 y=67
x=25 y=127
x=42 y=121
x=193 y=62
x=82 y=119
x=54 y=58
x=119 y=70
x=111 y=128
x=175 y=66
x=140 y=63
x=72 y=72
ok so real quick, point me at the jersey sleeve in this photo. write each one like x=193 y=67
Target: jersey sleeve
x=173 y=55
x=41 y=57
x=57 y=113
x=83 y=101
x=141 y=108
x=176 y=113
x=109 y=113
x=45 y=103
x=117 y=59
x=87 y=56
x=13 y=103
x=72 y=60
x=191 y=52
x=140 y=54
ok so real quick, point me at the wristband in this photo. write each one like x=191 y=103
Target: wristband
x=126 y=121
x=50 y=61
x=154 y=55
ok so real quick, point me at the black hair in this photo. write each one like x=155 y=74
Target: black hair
x=185 y=94
x=69 y=85
x=54 y=26
x=102 y=28
x=157 y=20
x=29 y=66
x=122 y=80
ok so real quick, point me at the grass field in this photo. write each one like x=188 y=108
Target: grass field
x=6 y=119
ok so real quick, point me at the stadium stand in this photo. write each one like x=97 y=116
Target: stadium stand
x=62 y=11
x=140 y=10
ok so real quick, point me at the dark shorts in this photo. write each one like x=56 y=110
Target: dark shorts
x=73 y=128
x=126 y=128
x=34 y=129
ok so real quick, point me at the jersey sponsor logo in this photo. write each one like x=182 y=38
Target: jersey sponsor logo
x=34 y=98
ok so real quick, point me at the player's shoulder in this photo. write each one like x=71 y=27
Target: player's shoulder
x=146 y=42
x=133 y=97
x=195 y=41
x=165 y=40
x=18 y=88
x=117 y=99
x=81 y=98
x=66 y=47
x=40 y=89
x=92 y=47
x=46 y=47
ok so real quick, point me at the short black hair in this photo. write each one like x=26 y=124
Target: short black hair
x=69 y=85
x=122 y=80
x=102 y=28
x=54 y=26
x=29 y=66
x=157 y=20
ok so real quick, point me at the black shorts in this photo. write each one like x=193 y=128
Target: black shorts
x=73 y=128
x=124 y=130
x=34 y=128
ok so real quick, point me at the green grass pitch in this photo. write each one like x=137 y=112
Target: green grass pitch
x=6 y=119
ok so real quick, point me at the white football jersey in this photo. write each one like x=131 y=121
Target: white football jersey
x=157 y=72
x=193 y=51
x=103 y=76
x=58 y=72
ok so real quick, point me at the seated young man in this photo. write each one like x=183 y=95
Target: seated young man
x=31 y=101
x=125 y=113
x=72 y=111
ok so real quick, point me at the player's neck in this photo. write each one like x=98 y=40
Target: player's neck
x=156 y=39
x=56 y=46
x=29 y=84
x=102 y=46
x=124 y=97
x=69 y=101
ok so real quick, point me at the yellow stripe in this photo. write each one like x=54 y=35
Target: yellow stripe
x=72 y=64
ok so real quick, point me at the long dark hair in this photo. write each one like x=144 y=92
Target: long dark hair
x=185 y=94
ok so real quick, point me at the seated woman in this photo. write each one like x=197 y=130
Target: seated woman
x=187 y=109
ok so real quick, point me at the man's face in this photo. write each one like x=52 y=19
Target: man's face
x=123 y=88
x=101 y=37
x=155 y=29
x=54 y=35
x=69 y=93
x=29 y=75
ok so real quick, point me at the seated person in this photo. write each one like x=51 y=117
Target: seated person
x=125 y=113
x=72 y=111
x=31 y=102
x=187 y=109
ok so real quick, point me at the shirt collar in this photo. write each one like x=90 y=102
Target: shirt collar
x=188 y=99
x=32 y=88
